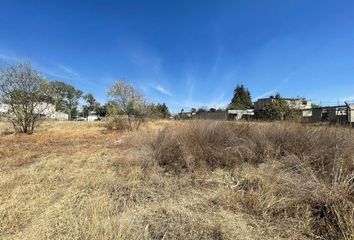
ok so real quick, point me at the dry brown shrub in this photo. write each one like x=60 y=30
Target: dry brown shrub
x=203 y=145
x=116 y=123
x=298 y=173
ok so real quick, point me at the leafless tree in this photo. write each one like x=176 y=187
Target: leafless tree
x=129 y=101
x=26 y=94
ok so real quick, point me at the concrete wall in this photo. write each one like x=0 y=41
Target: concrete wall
x=337 y=114
x=316 y=115
x=351 y=113
x=219 y=115
x=240 y=114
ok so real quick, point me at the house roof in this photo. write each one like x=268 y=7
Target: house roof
x=330 y=107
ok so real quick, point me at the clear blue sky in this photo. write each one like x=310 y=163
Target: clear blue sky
x=188 y=53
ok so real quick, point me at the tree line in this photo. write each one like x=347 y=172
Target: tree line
x=276 y=109
x=28 y=94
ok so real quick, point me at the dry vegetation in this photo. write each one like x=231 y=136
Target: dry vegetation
x=177 y=180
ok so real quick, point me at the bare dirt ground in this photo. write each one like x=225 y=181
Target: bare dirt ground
x=75 y=180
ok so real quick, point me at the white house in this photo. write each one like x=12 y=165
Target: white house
x=44 y=109
x=59 y=116
x=294 y=103
x=93 y=117
x=239 y=114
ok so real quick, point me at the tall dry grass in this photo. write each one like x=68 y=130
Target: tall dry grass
x=284 y=172
x=177 y=180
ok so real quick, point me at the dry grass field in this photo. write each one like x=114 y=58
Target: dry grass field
x=177 y=180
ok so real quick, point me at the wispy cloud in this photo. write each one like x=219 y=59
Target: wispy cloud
x=218 y=102
x=49 y=71
x=69 y=77
x=60 y=71
x=67 y=70
x=11 y=58
x=163 y=90
x=347 y=99
x=8 y=58
x=190 y=84
x=288 y=77
x=265 y=94
x=146 y=59
x=216 y=65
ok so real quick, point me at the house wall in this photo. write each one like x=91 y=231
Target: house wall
x=41 y=108
x=260 y=104
x=240 y=114
x=299 y=103
x=307 y=113
x=60 y=116
x=92 y=118
x=46 y=109
x=351 y=113
x=3 y=108
x=337 y=114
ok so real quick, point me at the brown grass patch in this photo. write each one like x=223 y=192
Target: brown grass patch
x=297 y=173
x=178 y=180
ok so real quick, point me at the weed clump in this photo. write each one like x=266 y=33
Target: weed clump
x=117 y=123
x=298 y=174
x=201 y=145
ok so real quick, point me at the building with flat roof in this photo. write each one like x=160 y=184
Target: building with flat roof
x=350 y=113
x=294 y=103
x=45 y=110
x=240 y=114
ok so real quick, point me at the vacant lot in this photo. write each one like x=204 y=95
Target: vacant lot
x=177 y=180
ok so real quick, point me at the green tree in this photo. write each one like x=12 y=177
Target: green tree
x=202 y=109
x=92 y=104
x=158 y=110
x=66 y=97
x=278 y=108
x=314 y=105
x=241 y=99
x=112 y=109
x=27 y=95
x=102 y=110
x=163 y=110
x=91 y=101
x=58 y=95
